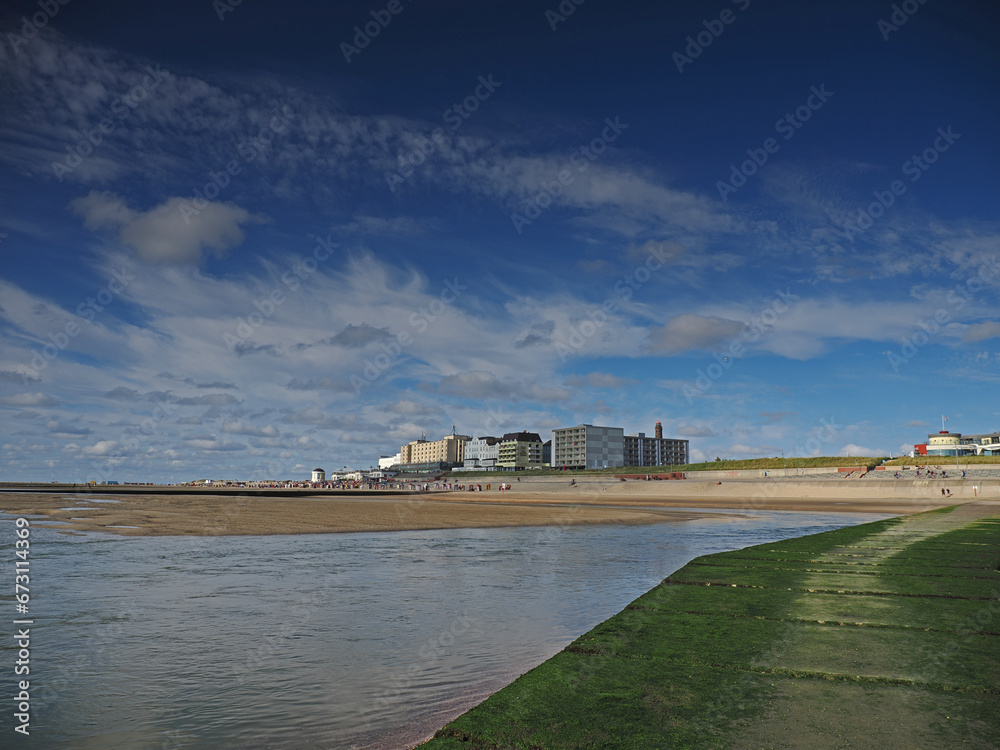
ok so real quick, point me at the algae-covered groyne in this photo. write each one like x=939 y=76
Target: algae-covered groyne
x=880 y=635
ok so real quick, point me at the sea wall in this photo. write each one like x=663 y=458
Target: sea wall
x=871 y=636
x=697 y=486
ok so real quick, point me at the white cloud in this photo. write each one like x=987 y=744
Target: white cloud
x=615 y=197
x=101 y=448
x=237 y=427
x=173 y=232
x=806 y=327
x=396 y=226
x=690 y=332
x=19 y=376
x=30 y=399
x=981 y=332
x=694 y=430
x=409 y=408
x=859 y=450
x=485 y=385
x=598 y=380
x=741 y=450
x=212 y=443
x=773 y=417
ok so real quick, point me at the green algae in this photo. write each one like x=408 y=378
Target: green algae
x=729 y=650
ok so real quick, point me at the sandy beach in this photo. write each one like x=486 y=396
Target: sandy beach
x=212 y=515
x=540 y=502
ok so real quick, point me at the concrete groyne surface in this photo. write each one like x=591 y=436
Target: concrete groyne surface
x=881 y=635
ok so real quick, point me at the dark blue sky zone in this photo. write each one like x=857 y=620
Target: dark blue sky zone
x=834 y=355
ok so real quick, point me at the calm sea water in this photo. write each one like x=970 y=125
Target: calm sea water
x=369 y=640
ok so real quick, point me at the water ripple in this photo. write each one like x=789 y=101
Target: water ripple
x=326 y=641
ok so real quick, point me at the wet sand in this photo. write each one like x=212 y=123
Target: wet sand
x=527 y=504
x=211 y=515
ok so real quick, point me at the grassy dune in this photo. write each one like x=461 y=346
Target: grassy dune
x=727 y=465
x=777 y=463
x=880 y=635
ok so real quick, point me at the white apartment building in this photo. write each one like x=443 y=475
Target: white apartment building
x=587 y=446
x=482 y=452
x=387 y=462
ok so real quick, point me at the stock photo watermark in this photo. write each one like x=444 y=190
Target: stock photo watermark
x=454 y=117
x=99 y=651
x=901 y=13
x=222 y=7
x=122 y=108
x=972 y=627
x=703 y=39
x=914 y=167
x=132 y=439
x=419 y=321
x=22 y=638
x=87 y=310
x=581 y=158
x=787 y=127
x=430 y=652
x=296 y=619
x=820 y=435
x=30 y=27
x=248 y=150
x=364 y=34
x=563 y=11
x=927 y=329
x=753 y=329
x=624 y=289
x=269 y=303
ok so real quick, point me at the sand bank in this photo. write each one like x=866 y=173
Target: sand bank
x=208 y=515
x=531 y=502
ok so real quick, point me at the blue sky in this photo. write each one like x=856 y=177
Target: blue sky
x=244 y=241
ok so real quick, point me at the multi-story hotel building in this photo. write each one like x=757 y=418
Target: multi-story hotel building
x=444 y=453
x=641 y=450
x=520 y=450
x=587 y=446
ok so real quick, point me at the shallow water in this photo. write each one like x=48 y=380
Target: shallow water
x=368 y=640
